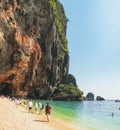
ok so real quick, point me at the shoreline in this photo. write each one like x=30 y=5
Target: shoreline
x=13 y=118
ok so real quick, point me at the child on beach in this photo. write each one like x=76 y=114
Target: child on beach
x=47 y=111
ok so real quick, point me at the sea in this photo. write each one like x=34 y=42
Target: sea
x=93 y=115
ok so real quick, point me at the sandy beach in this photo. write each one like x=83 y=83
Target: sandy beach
x=12 y=118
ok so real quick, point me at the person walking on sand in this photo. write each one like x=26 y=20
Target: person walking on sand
x=41 y=108
x=30 y=104
x=36 y=107
x=17 y=102
x=47 y=111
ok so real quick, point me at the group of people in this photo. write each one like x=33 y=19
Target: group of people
x=40 y=108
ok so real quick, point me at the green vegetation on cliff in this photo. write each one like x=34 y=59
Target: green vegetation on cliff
x=53 y=4
x=67 y=92
x=67 y=89
x=70 y=90
x=69 y=79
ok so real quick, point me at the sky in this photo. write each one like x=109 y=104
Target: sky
x=93 y=34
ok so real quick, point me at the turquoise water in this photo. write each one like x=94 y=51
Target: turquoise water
x=95 y=115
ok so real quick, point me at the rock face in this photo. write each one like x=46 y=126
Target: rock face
x=90 y=96
x=33 y=47
x=99 y=98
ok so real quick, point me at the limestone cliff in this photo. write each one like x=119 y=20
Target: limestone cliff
x=33 y=47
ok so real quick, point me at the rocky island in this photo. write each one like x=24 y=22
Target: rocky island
x=90 y=96
x=99 y=98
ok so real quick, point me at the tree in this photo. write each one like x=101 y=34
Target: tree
x=69 y=79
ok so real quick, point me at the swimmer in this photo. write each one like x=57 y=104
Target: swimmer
x=112 y=114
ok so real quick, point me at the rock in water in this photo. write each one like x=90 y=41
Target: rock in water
x=90 y=96
x=99 y=98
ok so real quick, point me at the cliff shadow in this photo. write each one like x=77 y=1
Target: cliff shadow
x=5 y=89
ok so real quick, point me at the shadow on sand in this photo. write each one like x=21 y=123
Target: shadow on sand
x=40 y=121
x=23 y=112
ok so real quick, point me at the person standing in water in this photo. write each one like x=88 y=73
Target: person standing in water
x=47 y=111
x=112 y=114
